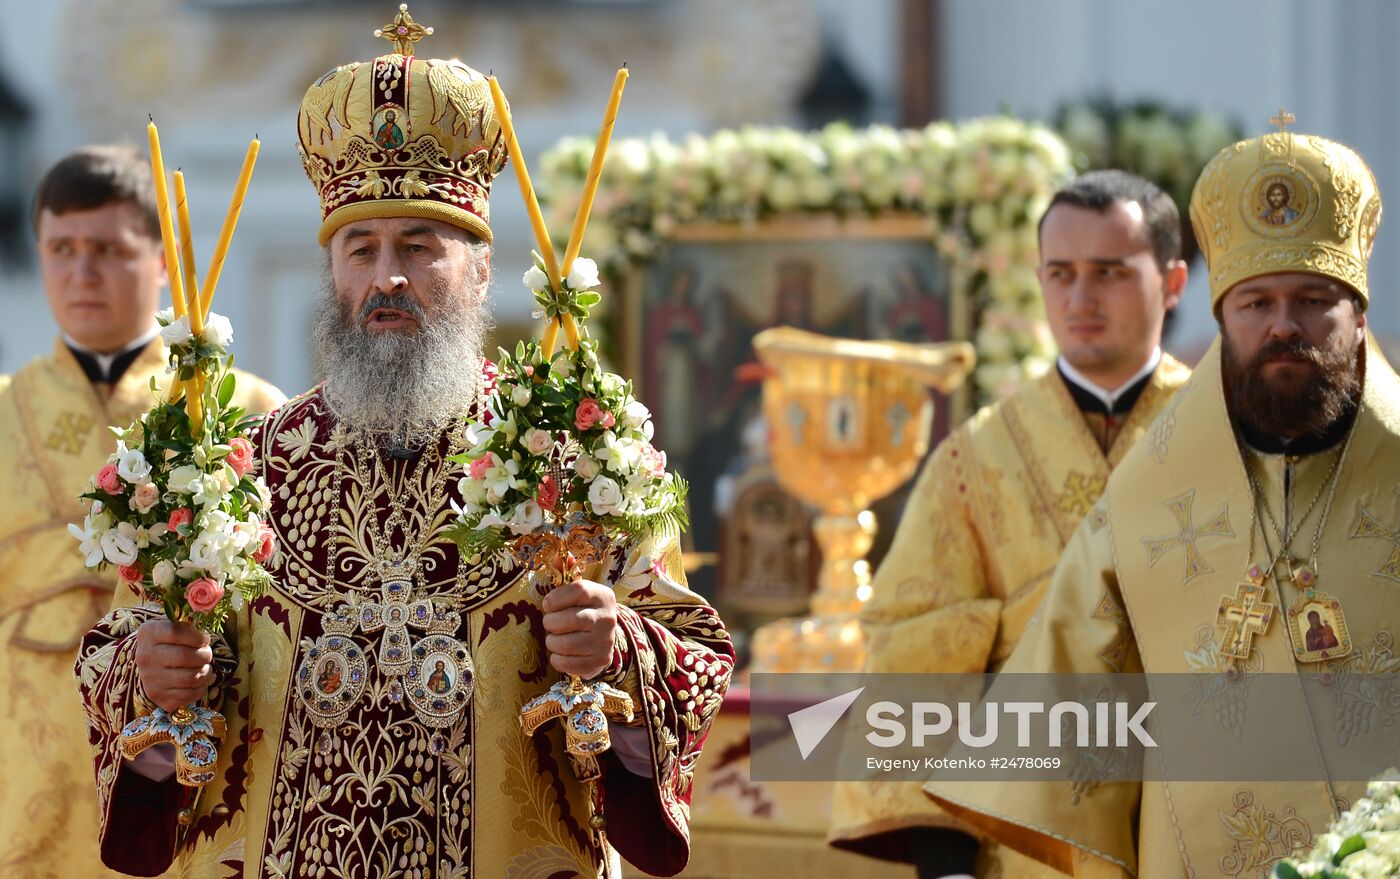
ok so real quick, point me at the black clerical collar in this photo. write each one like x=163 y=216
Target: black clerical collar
x=1095 y=400
x=108 y=368
x=1307 y=444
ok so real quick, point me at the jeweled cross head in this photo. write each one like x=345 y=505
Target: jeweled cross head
x=403 y=31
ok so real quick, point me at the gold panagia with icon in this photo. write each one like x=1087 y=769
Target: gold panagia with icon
x=1286 y=202
x=401 y=136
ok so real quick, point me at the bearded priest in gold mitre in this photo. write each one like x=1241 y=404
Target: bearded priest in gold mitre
x=1266 y=491
x=373 y=695
x=103 y=269
x=1000 y=497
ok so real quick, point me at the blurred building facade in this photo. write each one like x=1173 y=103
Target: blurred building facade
x=214 y=72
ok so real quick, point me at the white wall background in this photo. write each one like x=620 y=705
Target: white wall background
x=1333 y=64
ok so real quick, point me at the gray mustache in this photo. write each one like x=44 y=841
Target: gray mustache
x=406 y=304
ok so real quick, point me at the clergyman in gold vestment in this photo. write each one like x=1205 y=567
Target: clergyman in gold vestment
x=997 y=501
x=1277 y=464
x=100 y=251
x=340 y=759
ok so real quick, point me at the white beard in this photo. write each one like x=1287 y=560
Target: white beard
x=406 y=387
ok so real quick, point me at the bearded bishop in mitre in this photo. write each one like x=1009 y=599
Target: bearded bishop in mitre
x=373 y=695
x=1264 y=493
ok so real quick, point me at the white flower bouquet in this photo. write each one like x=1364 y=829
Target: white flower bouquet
x=176 y=508
x=562 y=435
x=1364 y=843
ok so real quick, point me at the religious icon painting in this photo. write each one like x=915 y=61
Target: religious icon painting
x=1317 y=628
x=331 y=678
x=440 y=681
x=1279 y=201
x=388 y=124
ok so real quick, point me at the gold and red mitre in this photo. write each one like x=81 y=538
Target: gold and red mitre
x=401 y=136
x=1286 y=202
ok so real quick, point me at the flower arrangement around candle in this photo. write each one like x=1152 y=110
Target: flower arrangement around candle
x=562 y=436
x=178 y=510
x=980 y=186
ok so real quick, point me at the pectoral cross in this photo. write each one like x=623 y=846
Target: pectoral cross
x=1242 y=616
x=394 y=615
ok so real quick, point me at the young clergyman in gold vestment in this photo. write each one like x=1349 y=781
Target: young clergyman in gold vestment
x=103 y=269
x=999 y=498
x=1280 y=457
x=373 y=695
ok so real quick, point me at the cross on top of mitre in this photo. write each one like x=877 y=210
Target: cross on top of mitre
x=403 y=31
x=1282 y=120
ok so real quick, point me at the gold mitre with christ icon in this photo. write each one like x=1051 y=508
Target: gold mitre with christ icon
x=401 y=136
x=1286 y=202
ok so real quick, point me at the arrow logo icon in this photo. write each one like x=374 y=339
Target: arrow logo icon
x=811 y=724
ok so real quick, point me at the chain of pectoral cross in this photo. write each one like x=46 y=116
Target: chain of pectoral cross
x=365 y=457
x=1285 y=539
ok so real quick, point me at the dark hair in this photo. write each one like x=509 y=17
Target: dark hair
x=1098 y=190
x=96 y=176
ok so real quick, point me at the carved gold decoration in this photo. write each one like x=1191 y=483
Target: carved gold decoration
x=850 y=422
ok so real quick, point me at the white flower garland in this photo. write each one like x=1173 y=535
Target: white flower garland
x=981 y=185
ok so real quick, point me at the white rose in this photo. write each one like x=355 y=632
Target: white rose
x=587 y=467
x=176 y=332
x=207 y=552
x=119 y=544
x=520 y=395
x=185 y=479
x=528 y=517
x=163 y=574
x=563 y=364
x=605 y=496
x=537 y=442
x=635 y=414
x=218 y=331
x=582 y=274
x=535 y=279
x=165 y=316
x=133 y=466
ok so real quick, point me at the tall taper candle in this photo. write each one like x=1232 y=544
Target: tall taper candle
x=167 y=230
x=240 y=192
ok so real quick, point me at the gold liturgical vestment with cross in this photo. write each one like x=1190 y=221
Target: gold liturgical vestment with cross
x=1152 y=581
x=988 y=518
x=53 y=428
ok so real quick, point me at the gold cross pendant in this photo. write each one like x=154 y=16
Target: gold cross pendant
x=1243 y=615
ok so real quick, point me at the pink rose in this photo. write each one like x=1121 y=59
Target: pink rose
x=130 y=573
x=267 y=544
x=479 y=467
x=240 y=458
x=108 y=480
x=182 y=516
x=146 y=496
x=589 y=413
x=653 y=461
x=203 y=594
x=549 y=494
x=608 y=420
